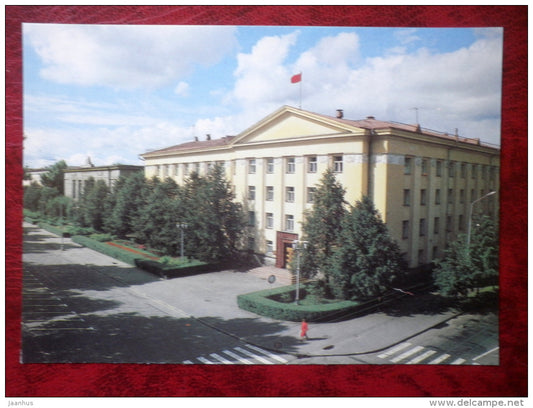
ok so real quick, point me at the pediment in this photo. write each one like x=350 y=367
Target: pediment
x=290 y=123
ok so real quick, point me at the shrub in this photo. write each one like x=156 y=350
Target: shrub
x=117 y=253
x=101 y=237
x=264 y=303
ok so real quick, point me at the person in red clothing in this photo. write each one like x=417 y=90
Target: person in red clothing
x=303 y=330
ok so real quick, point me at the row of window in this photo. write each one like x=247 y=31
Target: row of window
x=422 y=225
x=290 y=164
x=423 y=196
x=486 y=171
x=289 y=194
x=269 y=221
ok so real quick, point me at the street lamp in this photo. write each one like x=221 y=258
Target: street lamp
x=182 y=226
x=298 y=246
x=470 y=216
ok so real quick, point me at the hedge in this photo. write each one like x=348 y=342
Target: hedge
x=129 y=258
x=173 y=271
x=262 y=304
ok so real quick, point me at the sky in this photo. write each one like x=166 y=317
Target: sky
x=112 y=93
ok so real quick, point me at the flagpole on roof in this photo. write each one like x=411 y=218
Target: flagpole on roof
x=300 y=91
x=298 y=78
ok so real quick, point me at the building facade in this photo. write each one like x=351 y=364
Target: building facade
x=75 y=178
x=422 y=182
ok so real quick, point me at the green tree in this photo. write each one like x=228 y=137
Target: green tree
x=453 y=273
x=484 y=248
x=368 y=260
x=466 y=268
x=322 y=226
x=215 y=221
x=128 y=200
x=54 y=177
x=32 y=196
x=157 y=221
x=94 y=198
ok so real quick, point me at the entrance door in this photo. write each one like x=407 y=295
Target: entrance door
x=284 y=241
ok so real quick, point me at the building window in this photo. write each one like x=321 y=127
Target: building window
x=439 y=168
x=289 y=194
x=423 y=197
x=74 y=189
x=461 y=222
x=436 y=225
x=472 y=194
x=197 y=168
x=421 y=257
x=270 y=165
x=337 y=164
x=474 y=171
x=270 y=193
x=252 y=167
x=289 y=222
x=311 y=194
x=463 y=170
x=312 y=164
x=461 y=196
x=251 y=192
x=451 y=169
x=449 y=223
x=291 y=165
x=405 y=229
x=450 y=196
x=424 y=167
x=269 y=247
x=406 y=197
x=251 y=243
x=408 y=162
x=422 y=230
x=269 y=220
x=437 y=196
x=186 y=169
x=251 y=218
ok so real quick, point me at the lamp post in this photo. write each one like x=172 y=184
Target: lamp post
x=181 y=226
x=298 y=246
x=470 y=216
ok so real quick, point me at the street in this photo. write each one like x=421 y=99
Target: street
x=80 y=306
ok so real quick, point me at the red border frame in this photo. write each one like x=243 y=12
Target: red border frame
x=71 y=380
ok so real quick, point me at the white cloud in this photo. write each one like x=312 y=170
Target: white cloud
x=459 y=89
x=182 y=89
x=126 y=57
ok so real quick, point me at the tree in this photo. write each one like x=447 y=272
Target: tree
x=368 y=260
x=130 y=197
x=453 y=274
x=464 y=267
x=94 y=198
x=157 y=220
x=32 y=196
x=215 y=221
x=322 y=226
x=54 y=177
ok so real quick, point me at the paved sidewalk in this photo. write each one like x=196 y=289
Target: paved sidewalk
x=212 y=298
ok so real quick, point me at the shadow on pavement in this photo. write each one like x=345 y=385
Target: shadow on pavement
x=131 y=338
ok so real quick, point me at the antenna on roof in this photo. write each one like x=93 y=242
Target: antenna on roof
x=416 y=114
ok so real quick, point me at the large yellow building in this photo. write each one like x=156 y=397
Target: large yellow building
x=422 y=182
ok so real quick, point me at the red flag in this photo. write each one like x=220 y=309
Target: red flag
x=296 y=78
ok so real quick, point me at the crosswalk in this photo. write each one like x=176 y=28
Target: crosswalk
x=247 y=354
x=407 y=353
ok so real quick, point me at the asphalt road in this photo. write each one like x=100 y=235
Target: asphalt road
x=80 y=306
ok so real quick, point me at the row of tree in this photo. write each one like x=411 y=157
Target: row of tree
x=350 y=251
x=149 y=211
x=349 y=248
